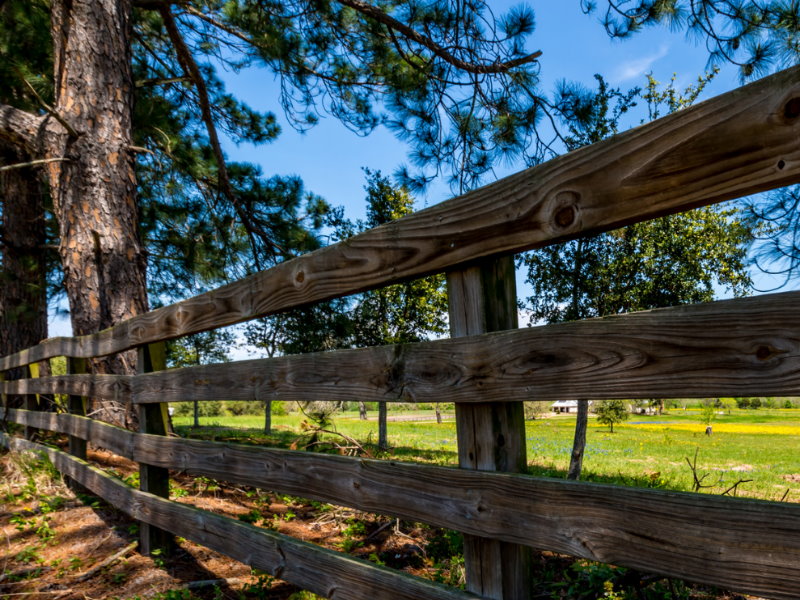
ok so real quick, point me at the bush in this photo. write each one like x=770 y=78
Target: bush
x=743 y=402
x=181 y=409
x=204 y=409
x=755 y=402
x=788 y=404
x=279 y=408
x=238 y=408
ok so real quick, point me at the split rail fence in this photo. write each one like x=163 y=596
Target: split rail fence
x=740 y=143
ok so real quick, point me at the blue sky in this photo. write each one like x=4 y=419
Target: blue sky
x=329 y=158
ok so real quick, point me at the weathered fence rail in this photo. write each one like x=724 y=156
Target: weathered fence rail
x=739 y=143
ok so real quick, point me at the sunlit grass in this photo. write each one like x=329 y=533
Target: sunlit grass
x=650 y=451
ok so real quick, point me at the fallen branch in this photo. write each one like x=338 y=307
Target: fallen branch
x=107 y=562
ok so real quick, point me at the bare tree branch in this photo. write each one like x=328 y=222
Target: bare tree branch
x=412 y=34
x=21 y=128
x=32 y=163
x=161 y=81
x=49 y=109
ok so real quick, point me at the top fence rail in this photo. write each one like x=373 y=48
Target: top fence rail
x=739 y=143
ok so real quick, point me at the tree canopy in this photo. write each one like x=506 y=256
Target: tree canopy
x=667 y=261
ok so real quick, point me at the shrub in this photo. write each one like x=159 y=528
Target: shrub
x=238 y=408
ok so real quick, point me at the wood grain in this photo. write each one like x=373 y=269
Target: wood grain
x=106 y=387
x=325 y=572
x=748 y=546
x=154 y=420
x=739 y=143
x=491 y=436
x=117 y=440
x=76 y=404
x=742 y=347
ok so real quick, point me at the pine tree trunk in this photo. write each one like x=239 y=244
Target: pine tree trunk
x=94 y=192
x=23 y=290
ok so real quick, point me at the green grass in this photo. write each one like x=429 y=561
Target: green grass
x=647 y=451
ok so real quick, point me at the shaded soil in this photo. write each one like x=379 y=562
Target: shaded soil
x=57 y=545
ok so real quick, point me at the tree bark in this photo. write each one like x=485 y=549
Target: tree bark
x=94 y=191
x=579 y=443
x=23 y=289
x=383 y=434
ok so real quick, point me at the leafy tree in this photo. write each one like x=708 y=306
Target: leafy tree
x=450 y=79
x=200 y=349
x=756 y=36
x=396 y=314
x=663 y=262
x=401 y=313
x=611 y=412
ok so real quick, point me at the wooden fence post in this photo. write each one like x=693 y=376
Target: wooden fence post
x=76 y=405
x=491 y=436
x=153 y=419
x=31 y=401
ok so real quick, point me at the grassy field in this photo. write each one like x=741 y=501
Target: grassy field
x=649 y=451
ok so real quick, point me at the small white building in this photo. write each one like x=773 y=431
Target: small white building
x=566 y=406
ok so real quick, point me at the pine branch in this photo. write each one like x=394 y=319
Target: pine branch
x=412 y=34
x=192 y=71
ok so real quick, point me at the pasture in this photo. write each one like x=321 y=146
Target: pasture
x=646 y=451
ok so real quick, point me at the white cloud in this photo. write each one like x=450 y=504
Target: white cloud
x=637 y=67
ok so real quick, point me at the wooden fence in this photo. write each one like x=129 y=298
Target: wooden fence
x=740 y=143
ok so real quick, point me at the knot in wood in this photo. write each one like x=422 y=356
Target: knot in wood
x=565 y=216
x=763 y=353
x=565 y=209
x=791 y=109
x=300 y=277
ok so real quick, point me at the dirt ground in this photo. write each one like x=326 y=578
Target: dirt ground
x=63 y=546
x=56 y=545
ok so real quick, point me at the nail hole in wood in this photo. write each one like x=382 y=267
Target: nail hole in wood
x=781 y=164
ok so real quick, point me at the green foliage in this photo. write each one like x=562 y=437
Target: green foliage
x=611 y=412
x=753 y=35
x=30 y=554
x=662 y=262
x=405 y=312
x=200 y=348
x=241 y=407
x=400 y=313
x=707 y=413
